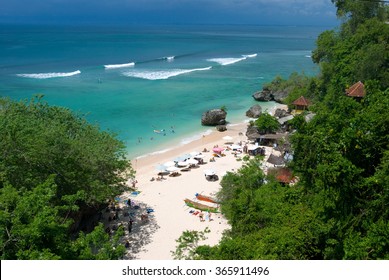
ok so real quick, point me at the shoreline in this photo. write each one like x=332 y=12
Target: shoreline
x=170 y=216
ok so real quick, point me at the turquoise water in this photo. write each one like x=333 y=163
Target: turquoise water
x=134 y=80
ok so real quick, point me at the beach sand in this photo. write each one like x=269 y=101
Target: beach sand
x=155 y=239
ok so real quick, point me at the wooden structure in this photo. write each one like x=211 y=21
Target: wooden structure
x=301 y=103
x=357 y=90
x=283 y=175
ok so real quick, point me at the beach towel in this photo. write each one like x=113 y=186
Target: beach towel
x=134 y=194
x=149 y=210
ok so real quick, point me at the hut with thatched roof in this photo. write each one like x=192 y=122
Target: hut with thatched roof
x=282 y=174
x=275 y=160
x=357 y=90
x=301 y=103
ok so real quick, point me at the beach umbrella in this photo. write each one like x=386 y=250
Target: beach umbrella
x=192 y=161
x=182 y=157
x=194 y=154
x=236 y=147
x=209 y=172
x=182 y=163
x=160 y=167
x=169 y=163
x=172 y=169
x=218 y=150
x=199 y=156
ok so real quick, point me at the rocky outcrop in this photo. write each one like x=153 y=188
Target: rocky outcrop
x=252 y=133
x=280 y=113
x=268 y=95
x=221 y=127
x=254 y=112
x=263 y=95
x=214 y=117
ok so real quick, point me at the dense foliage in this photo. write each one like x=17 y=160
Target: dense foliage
x=339 y=207
x=266 y=123
x=56 y=171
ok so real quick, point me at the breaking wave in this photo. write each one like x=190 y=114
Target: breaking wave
x=160 y=74
x=115 y=66
x=49 y=75
x=231 y=60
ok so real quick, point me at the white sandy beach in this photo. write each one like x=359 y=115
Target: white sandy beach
x=156 y=238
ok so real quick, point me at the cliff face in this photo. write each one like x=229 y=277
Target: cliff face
x=269 y=95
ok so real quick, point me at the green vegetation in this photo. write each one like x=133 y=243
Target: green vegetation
x=339 y=207
x=56 y=172
x=266 y=123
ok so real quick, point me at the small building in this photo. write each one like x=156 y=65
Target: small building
x=301 y=103
x=275 y=160
x=357 y=90
x=282 y=174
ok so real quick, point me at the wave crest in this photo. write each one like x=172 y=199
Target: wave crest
x=231 y=60
x=49 y=75
x=161 y=74
x=115 y=66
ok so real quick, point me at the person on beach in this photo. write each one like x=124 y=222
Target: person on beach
x=201 y=216
x=130 y=225
x=209 y=216
x=127 y=244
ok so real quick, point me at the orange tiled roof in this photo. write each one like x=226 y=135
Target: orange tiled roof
x=301 y=101
x=356 y=90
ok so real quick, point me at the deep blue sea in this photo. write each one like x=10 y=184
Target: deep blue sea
x=134 y=80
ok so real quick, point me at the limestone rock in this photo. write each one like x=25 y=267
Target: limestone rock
x=221 y=127
x=280 y=113
x=214 y=117
x=254 y=112
x=263 y=95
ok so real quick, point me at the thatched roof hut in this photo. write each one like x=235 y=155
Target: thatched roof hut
x=301 y=103
x=275 y=160
x=282 y=174
x=356 y=90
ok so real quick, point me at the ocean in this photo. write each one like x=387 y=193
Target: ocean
x=136 y=80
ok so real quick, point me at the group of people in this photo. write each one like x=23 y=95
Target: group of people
x=208 y=216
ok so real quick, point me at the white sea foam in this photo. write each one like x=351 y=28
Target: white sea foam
x=250 y=55
x=160 y=74
x=226 y=60
x=231 y=60
x=188 y=140
x=115 y=66
x=170 y=58
x=49 y=75
x=308 y=56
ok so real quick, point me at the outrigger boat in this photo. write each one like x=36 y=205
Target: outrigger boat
x=200 y=206
x=206 y=198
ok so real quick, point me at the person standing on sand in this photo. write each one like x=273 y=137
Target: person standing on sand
x=209 y=216
x=201 y=216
